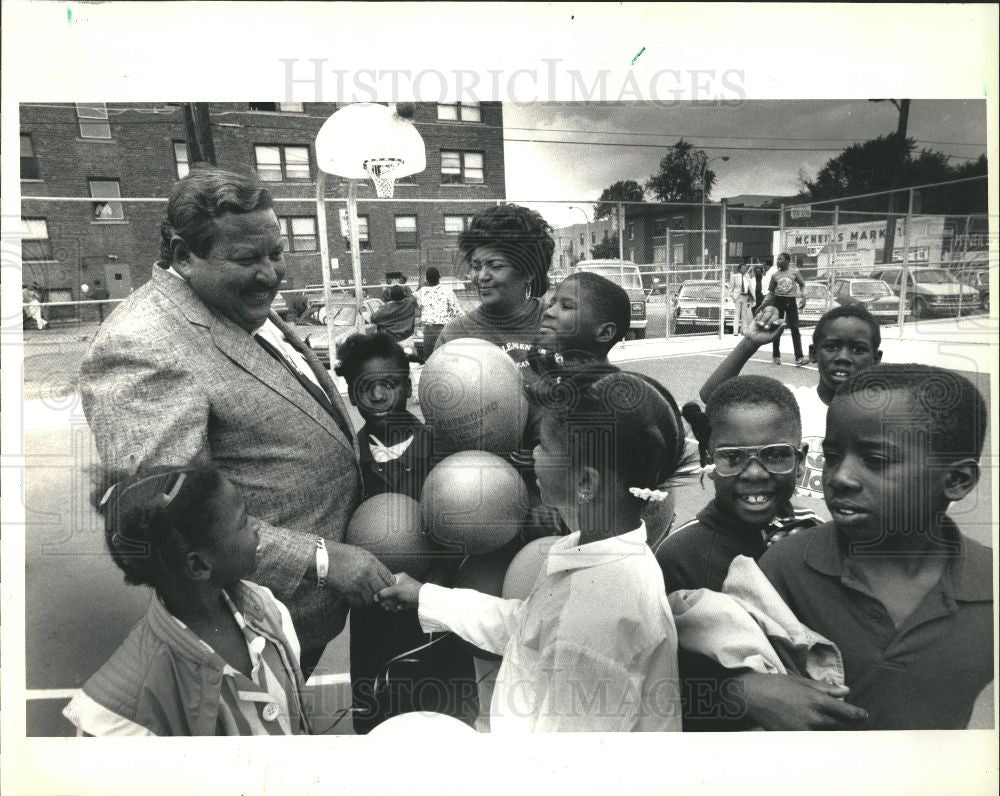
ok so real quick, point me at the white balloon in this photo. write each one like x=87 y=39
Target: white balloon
x=421 y=724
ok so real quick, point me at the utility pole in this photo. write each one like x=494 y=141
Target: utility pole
x=903 y=106
x=201 y=147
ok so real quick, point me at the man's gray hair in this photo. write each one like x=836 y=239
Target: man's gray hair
x=206 y=193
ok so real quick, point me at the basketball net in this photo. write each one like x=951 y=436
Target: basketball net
x=382 y=171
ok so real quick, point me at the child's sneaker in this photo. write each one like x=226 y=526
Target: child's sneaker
x=801 y=361
x=775 y=360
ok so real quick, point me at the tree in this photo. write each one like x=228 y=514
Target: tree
x=868 y=168
x=607 y=249
x=621 y=191
x=679 y=178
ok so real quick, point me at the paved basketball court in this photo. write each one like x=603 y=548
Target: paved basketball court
x=78 y=609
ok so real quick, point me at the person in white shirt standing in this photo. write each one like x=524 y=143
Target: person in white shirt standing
x=593 y=647
x=438 y=305
x=741 y=292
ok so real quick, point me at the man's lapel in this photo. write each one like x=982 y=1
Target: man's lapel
x=241 y=348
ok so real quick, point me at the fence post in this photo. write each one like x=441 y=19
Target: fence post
x=667 y=286
x=962 y=264
x=621 y=243
x=722 y=271
x=906 y=263
x=833 y=252
x=781 y=234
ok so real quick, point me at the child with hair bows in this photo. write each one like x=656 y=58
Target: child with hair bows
x=596 y=629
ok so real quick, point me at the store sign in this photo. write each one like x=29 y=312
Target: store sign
x=801 y=212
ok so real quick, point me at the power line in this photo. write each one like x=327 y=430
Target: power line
x=564 y=141
x=699 y=146
x=293 y=115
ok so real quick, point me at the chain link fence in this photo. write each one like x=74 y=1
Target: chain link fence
x=905 y=254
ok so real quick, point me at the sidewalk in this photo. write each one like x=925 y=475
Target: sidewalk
x=968 y=344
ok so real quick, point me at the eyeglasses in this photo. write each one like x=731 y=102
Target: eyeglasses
x=776 y=459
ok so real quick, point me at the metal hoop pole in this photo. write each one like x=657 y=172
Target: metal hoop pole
x=324 y=256
x=352 y=219
x=905 y=273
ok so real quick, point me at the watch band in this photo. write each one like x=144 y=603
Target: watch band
x=322 y=563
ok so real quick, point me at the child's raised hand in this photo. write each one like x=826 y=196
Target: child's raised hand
x=766 y=327
x=403 y=595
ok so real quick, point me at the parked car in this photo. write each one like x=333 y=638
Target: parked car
x=696 y=305
x=873 y=294
x=626 y=274
x=929 y=291
x=980 y=280
x=818 y=301
x=311 y=324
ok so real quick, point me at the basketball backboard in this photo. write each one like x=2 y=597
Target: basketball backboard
x=370 y=140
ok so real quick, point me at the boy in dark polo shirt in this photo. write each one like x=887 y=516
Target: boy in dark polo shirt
x=891 y=580
x=756 y=452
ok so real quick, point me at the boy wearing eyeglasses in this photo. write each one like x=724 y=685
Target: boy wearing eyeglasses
x=757 y=455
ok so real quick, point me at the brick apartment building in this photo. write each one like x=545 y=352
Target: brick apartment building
x=750 y=222
x=573 y=243
x=108 y=153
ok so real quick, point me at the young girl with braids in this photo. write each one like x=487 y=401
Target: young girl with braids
x=215 y=654
x=593 y=647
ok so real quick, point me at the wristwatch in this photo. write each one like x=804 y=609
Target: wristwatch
x=322 y=563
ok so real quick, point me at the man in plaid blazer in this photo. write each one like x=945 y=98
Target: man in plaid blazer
x=195 y=363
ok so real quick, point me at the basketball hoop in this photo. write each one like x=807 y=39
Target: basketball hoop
x=383 y=174
x=368 y=140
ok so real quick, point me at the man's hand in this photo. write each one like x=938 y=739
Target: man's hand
x=790 y=702
x=403 y=595
x=802 y=305
x=356 y=573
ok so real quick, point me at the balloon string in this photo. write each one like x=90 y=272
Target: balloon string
x=404 y=657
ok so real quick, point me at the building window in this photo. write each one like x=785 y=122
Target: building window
x=181 y=158
x=461 y=168
x=456 y=225
x=593 y=238
x=93 y=119
x=363 y=239
x=106 y=189
x=278 y=163
x=35 y=243
x=459 y=111
x=274 y=107
x=406 y=232
x=735 y=248
x=29 y=163
x=630 y=231
x=300 y=232
x=677 y=222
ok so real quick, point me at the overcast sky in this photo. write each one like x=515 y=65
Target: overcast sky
x=581 y=172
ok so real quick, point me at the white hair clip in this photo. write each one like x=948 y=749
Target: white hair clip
x=652 y=495
x=106 y=496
